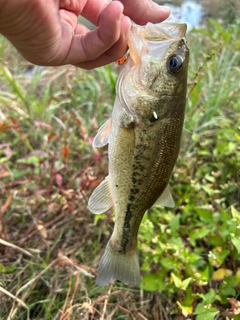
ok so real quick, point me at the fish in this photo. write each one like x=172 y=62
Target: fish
x=143 y=136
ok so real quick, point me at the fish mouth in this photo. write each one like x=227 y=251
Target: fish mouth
x=154 y=38
x=160 y=31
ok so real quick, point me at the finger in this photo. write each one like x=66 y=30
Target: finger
x=74 y=6
x=68 y=17
x=142 y=12
x=90 y=46
x=113 y=54
x=93 y=9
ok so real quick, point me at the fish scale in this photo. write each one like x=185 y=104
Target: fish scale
x=143 y=137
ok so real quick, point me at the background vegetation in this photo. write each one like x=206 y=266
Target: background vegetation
x=50 y=244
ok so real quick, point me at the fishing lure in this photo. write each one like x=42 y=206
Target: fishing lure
x=121 y=61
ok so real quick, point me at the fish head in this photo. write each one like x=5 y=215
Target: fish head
x=158 y=62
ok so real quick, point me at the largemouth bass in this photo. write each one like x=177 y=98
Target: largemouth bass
x=143 y=137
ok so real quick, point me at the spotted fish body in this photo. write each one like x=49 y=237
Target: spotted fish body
x=143 y=136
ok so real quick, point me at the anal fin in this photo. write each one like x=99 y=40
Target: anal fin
x=166 y=199
x=101 y=199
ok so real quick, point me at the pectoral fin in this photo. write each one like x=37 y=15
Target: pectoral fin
x=101 y=139
x=166 y=199
x=101 y=200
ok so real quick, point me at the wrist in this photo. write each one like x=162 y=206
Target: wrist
x=5 y=15
x=11 y=13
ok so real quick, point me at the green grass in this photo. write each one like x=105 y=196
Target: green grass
x=50 y=244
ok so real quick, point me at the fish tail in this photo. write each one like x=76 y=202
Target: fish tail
x=117 y=266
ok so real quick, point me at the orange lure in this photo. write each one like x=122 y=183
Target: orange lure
x=121 y=61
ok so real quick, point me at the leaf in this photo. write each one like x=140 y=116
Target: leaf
x=179 y=283
x=4 y=174
x=208 y=298
x=220 y=274
x=31 y=160
x=235 y=213
x=238 y=275
x=98 y=217
x=59 y=180
x=207 y=315
x=51 y=136
x=176 y=280
x=204 y=214
x=186 y=310
x=198 y=234
x=185 y=283
x=8 y=269
x=65 y=151
x=4 y=126
x=236 y=243
x=168 y=263
x=152 y=282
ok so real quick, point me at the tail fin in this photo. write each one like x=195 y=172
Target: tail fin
x=117 y=266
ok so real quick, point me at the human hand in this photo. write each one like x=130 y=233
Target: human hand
x=48 y=32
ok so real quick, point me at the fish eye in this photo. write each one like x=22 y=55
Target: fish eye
x=174 y=64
